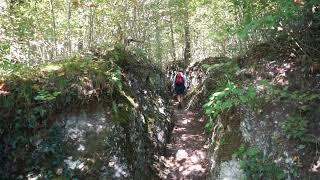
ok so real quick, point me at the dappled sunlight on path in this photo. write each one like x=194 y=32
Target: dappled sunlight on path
x=187 y=152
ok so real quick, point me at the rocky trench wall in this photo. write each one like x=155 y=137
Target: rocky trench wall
x=146 y=117
x=136 y=116
x=261 y=127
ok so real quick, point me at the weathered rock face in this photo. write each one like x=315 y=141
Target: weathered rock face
x=146 y=83
x=262 y=127
x=266 y=127
x=226 y=138
x=150 y=124
x=142 y=123
x=96 y=144
x=123 y=137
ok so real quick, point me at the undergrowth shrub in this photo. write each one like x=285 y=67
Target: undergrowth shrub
x=49 y=153
x=256 y=165
x=120 y=55
x=230 y=96
x=272 y=92
x=295 y=127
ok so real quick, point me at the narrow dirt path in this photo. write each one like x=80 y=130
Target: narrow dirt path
x=187 y=152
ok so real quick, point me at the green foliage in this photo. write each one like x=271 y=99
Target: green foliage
x=256 y=165
x=223 y=71
x=4 y=48
x=303 y=97
x=7 y=68
x=264 y=14
x=119 y=55
x=34 y=94
x=44 y=95
x=49 y=153
x=116 y=78
x=285 y=94
x=21 y=138
x=295 y=127
x=229 y=97
x=217 y=66
x=54 y=82
x=114 y=107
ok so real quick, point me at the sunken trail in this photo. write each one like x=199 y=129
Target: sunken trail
x=187 y=151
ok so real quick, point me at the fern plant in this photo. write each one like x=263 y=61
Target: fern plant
x=295 y=127
x=229 y=97
x=256 y=165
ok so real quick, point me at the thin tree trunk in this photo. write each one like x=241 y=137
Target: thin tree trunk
x=126 y=23
x=53 y=28
x=238 y=20
x=142 y=24
x=120 y=34
x=173 y=50
x=135 y=23
x=187 y=38
x=81 y=33
x=224 y=44
x=187 y=50
x=69 y=28
x=91 y=26
x=158 y=40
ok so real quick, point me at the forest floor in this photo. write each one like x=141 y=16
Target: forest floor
x=187 y=152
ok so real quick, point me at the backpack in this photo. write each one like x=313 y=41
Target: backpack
x=179 y=79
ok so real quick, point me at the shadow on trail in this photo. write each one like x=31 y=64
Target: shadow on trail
x=187 y=152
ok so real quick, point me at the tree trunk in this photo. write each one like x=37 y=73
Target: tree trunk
x=173 y=50
x=135 y=23
x=238 y=23
x=158 y=40
x=80 y=35
x=69 y=28
x=120 y=34
x=90 y=28
x=53 y=29
x=187 y=50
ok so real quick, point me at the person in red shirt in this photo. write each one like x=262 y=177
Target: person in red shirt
x=180 y=84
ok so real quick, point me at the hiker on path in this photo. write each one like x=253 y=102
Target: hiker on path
x=180 y=84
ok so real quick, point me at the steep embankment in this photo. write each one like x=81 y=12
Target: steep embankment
x=263 y=111
x=94 y=117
